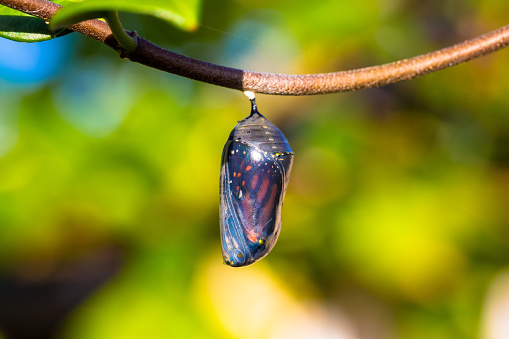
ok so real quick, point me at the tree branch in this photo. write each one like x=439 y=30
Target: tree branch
x=154 y=56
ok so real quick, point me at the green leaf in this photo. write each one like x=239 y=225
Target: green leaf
x=18 y=26
x=182 y=13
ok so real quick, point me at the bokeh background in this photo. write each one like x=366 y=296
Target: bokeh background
x=395 y=223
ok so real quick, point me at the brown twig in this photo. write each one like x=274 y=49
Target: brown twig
x=154 y=56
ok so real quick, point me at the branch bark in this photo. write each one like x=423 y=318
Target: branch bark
x=154 y=56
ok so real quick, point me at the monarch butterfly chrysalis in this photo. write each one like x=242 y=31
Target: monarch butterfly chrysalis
x=255 y=170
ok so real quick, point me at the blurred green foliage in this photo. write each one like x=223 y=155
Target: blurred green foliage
x=183 y=14
x=18 y=26
x=395 y=220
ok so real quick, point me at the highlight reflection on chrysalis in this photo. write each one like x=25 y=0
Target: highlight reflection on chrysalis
x=255 y=170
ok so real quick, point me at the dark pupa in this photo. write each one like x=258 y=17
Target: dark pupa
x=255 y=170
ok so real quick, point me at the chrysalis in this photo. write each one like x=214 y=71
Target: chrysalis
x=255 y=170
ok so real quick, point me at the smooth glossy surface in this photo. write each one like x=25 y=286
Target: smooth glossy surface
x=255 y=170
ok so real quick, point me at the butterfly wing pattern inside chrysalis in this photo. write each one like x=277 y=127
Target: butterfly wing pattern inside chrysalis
x=255 y=170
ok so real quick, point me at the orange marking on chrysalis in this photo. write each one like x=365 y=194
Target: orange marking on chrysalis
x=252 y=237
x=254 y=181
x=248 y=167
x=243 y=183
x=263 y=191
x=238 y=175
x=267 y=209
x=234 y=174
x=238 y=188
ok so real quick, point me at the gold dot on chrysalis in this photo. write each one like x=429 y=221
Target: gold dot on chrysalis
x=261 y=241
x=239 y=255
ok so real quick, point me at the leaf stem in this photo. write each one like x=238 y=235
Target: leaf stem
x=127 y=42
